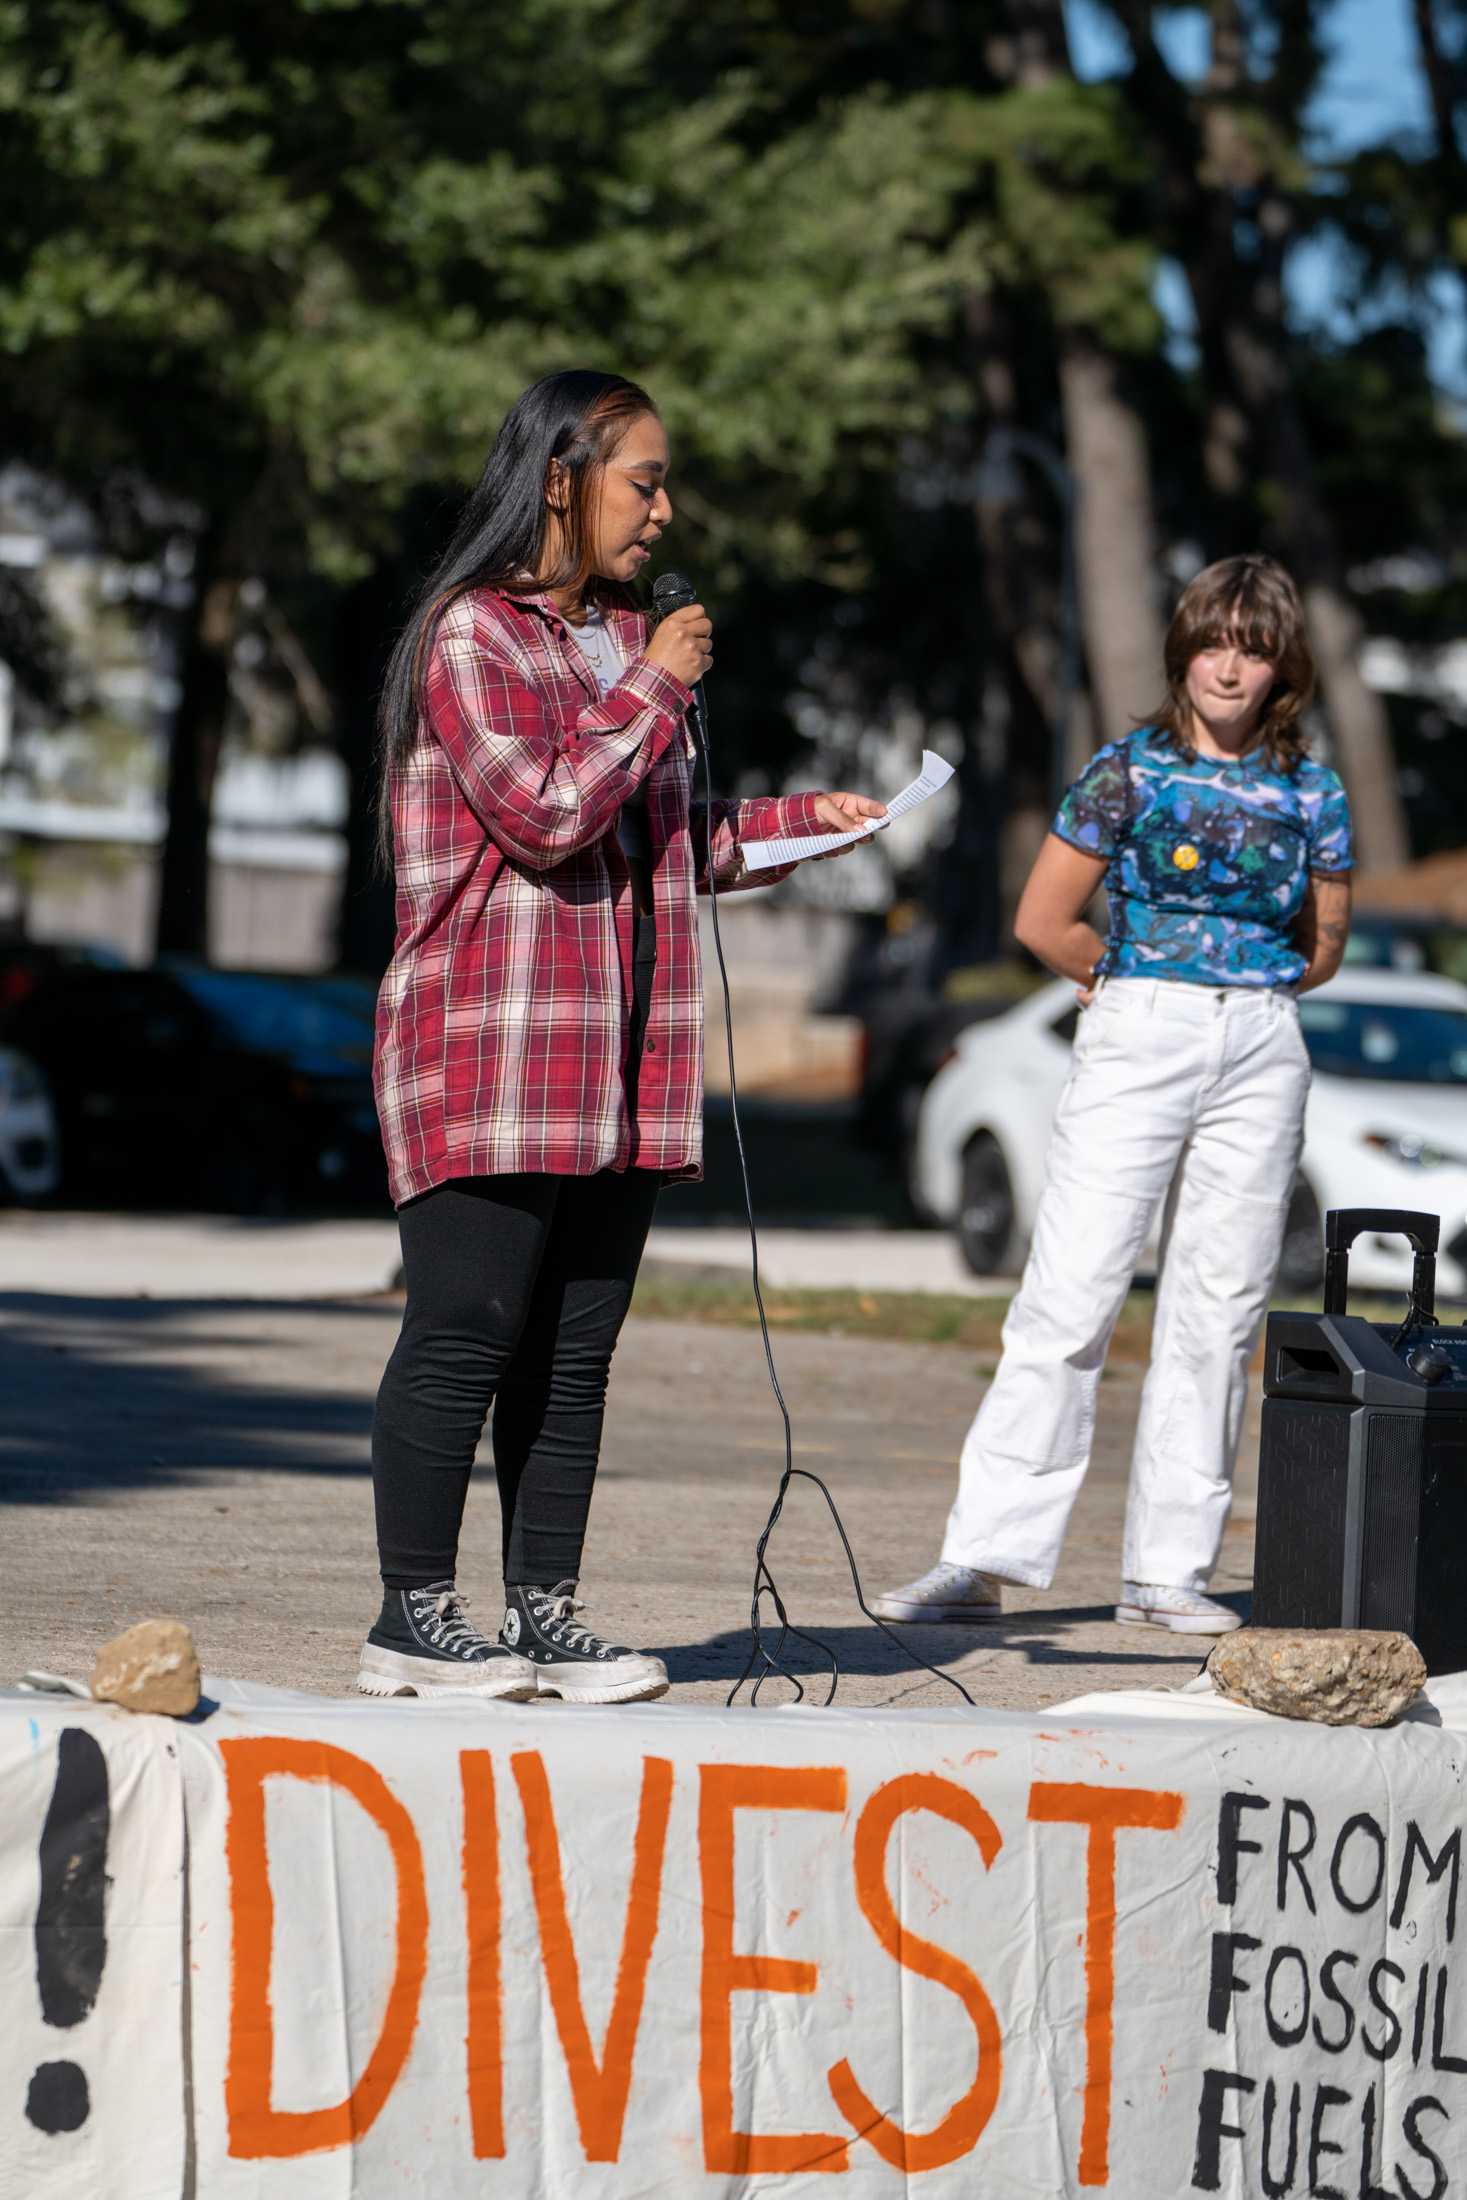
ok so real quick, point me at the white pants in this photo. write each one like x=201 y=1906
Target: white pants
x=1177 y=1092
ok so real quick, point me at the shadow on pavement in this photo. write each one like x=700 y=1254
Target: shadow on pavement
x=99 y=1395
x=867 y=1650
x=66 y=1308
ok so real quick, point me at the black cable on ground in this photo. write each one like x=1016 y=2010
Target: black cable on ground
x=766 y=1589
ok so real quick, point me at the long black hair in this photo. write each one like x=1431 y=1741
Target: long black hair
x=578 y=418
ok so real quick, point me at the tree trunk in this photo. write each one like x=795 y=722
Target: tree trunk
x=1255 y=429
x=1254 y=339
x=182 y=923
x=1105 y=439
x=1107 y=448
x=1023 y=604
x=1357 y=716
x=1441 y=88
x=1033 y=704
x=1361 y=729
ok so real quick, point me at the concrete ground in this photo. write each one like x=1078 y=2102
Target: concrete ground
x=206 y=1456
x=222 y=1257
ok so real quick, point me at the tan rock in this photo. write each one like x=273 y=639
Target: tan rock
x=153 y=1667
x=1339 y=1676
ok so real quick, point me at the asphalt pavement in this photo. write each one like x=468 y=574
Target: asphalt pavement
x=174 y=1446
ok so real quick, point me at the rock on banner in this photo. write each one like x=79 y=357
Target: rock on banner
x=460 y=1949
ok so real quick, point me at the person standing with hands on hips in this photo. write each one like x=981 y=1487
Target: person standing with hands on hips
x=540 y=1028
x=1225 y=852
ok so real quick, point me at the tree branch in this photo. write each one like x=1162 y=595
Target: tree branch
x=1440 y=83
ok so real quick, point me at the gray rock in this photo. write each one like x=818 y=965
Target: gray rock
x=153 y=1667
x=1339 y=1676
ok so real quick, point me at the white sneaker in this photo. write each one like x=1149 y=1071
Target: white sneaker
x=425 y=1644
x=945 y=1592
x=1183 y=1611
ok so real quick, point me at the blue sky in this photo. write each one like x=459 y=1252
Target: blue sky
x=1372 y=88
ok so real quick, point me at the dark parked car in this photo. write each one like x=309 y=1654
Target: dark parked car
x=238 y=1090
x=25 y=964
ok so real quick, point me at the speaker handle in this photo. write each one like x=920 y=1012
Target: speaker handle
x=1342 y=1225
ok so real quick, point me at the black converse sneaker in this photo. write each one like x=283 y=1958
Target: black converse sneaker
x=425 y=1644
x=567 y=1659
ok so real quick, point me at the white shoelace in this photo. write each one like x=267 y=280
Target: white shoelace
x=558 y=1607
x=449 y=1628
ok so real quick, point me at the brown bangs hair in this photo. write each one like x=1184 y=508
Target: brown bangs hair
x=1252 y=602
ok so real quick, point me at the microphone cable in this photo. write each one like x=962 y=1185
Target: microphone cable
x=671 y=593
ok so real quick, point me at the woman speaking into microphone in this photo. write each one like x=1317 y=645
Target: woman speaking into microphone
x=540 y=1027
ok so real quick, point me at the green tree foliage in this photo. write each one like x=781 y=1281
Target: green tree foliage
x=1240 y=187
x=296 y=259
x=286 y=265
x=290 y=263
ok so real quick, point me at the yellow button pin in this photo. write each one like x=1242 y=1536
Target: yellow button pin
x=1185 y=856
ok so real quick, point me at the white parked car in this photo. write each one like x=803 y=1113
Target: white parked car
x=1387 y=1124
x=30 y=1150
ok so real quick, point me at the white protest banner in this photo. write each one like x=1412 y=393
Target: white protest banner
x=91 y=1954
x=513 y=1950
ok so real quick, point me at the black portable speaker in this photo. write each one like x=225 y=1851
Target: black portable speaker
x=1362 y=1464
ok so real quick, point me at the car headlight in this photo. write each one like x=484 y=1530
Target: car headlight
x=1414 y=1152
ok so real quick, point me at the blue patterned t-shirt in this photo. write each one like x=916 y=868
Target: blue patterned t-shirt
x=1209 y=862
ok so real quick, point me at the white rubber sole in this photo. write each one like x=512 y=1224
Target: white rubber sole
x=1175 y=1623
x=939 y=1615
x=395 y=1673
x=578 y=1683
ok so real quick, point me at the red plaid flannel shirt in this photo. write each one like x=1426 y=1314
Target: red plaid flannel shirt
x=502 y=1023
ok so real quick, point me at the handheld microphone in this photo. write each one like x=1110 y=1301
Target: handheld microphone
x=674 y=592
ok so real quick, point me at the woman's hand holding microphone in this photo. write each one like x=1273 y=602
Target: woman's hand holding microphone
x=683 y=644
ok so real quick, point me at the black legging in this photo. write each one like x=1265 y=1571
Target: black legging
x=517 y=1287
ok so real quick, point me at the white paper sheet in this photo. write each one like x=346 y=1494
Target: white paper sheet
x=763 y=855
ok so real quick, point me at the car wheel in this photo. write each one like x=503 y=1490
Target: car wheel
x=918 y=1210
x=22 y=1190
x=1301 y=1257
x=985 y=1225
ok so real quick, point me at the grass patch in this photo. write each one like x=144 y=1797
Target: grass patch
x=906 y=1317
x=666 y=1291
